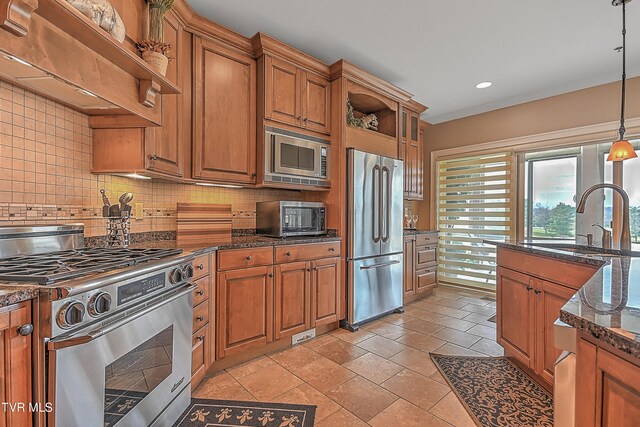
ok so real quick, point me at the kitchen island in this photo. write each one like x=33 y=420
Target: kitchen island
x=595 y=292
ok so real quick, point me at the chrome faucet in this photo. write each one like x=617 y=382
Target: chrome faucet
x=625 y=235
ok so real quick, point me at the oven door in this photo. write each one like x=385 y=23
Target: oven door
x=125 y=373
x=296 y=157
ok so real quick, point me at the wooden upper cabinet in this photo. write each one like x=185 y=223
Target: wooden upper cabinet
x=282 y=91
x=316 y=103
x=164 y=146
x=15 y=361
x=224 y=134
x=295 y=96
x=410 y=150
x=516 y=315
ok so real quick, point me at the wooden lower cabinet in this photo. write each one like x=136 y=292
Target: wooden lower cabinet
x=409 y=267
x=15 y=360
x=245 y=309
x=200 y=355
x=325 y=291
x=420 y=265
x=607 y=390
x=292 y=305
x=516 y=315
x=527 y=308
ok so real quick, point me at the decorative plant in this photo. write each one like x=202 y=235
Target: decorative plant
x=157 y=9
x=154 y=50
x=155 y=46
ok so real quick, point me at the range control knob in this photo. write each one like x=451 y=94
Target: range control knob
x=99 y=304
x=176 y=276
x=71 y=314
x=188 y=271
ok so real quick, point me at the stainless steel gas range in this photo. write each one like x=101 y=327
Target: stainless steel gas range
x=114 y=324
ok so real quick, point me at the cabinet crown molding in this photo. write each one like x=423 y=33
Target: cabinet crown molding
x=344 y=68
x=415 y=106
x=265 y=44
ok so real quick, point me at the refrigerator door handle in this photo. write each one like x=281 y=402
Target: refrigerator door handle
x=382 y=264
x=375 y=208
x=385 y=188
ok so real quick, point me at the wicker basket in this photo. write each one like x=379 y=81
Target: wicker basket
x=157 y=61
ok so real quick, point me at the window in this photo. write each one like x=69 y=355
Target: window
x=474 y=203
x=550 y=189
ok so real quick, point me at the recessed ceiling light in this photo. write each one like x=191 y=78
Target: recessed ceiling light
x=483 y=85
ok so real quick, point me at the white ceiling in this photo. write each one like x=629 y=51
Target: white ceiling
x=439 y=50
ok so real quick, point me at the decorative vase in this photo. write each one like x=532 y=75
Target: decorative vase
x=157 y=61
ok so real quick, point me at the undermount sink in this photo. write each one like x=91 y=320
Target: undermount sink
x=585 y=250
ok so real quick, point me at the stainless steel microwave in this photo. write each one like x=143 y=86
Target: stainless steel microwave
x=294 y=158
x=286 y=219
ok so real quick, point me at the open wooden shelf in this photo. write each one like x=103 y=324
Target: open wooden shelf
x=364 y=104
x=71 y=21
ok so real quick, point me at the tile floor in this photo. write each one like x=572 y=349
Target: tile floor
x=379 y=376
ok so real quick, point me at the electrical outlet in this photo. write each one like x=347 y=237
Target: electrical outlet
x=139 y=213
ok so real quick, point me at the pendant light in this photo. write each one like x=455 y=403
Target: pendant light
x=622 y=148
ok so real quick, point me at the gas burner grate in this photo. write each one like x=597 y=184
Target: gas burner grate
x=52 y=267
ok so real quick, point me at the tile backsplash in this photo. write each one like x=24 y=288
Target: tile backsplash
x=45 y=174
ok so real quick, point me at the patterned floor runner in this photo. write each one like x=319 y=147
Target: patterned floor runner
x=208 y=412
x=495 y=392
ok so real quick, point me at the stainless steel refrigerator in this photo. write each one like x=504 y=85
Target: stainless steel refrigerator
x=375 y=236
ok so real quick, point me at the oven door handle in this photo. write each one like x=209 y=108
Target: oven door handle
x=96 y=333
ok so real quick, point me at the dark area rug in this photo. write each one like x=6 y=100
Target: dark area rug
x=495 y=392
x=493 y=319
x=209 y=412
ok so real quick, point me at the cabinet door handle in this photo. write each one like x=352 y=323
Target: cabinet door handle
x=537 y=292
x=153 y=157
x=288 y=253
x=298 y=118
x=25 y=330
x=308 y=269
x=200 y=292
x=529 y=288
x=315 y=268
x=200 y=338
x=305 y=120
x=332 y=249
x=200 y=267
x=270 y=275
x=200 y=318
x=249 y=257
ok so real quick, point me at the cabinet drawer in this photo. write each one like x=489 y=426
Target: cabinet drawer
x=200 y=315
x=426 y=239
x=426 y=279
x=201 y=293
x=306 y=252
x=200 y=344
x=242 y=258
x=201 y=266
x=425 y=256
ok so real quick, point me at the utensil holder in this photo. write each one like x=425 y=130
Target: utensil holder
x=118 y=231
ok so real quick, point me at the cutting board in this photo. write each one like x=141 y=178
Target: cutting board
x=203 y=224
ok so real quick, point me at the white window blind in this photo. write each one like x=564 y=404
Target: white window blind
x=475 y=202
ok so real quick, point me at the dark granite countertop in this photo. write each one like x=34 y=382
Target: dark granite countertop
x=607 y=307
x=13 y=293
x=411 y=232
x=239 y=242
